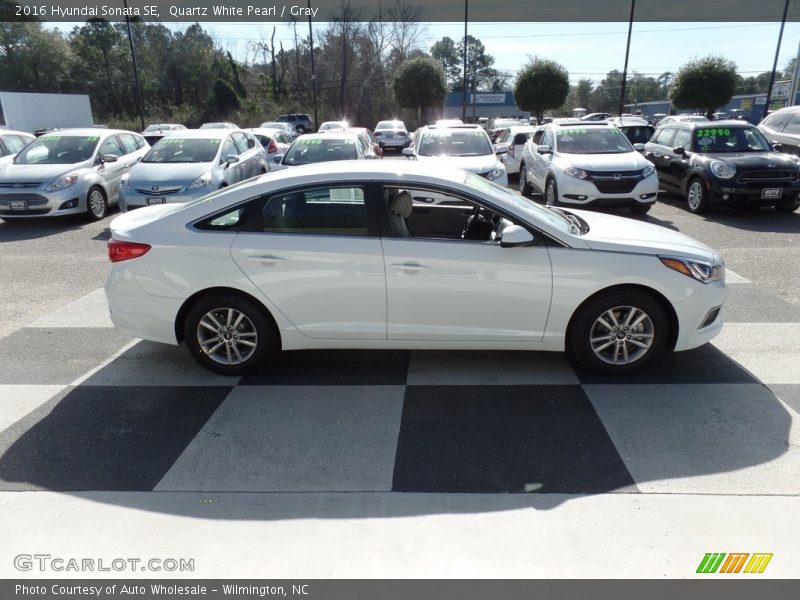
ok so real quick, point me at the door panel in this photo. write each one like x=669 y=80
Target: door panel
x=460 y=290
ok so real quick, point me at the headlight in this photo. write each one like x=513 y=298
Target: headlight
x=722 y=169
x=61 y=183
x=573 y=172
x=702 y=271
x=648 y=170
x=199 y=182
x=496 y=174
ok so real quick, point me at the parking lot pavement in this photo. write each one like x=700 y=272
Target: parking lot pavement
x=413 y=464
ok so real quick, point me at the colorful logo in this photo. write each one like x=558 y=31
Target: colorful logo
x=735 y=562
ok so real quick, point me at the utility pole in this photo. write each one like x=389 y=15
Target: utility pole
x=139 y=99
x=775 y=63
x=627 y=52
x=464 y=99
x=313 y=73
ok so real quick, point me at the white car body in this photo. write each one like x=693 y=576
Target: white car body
x=513 y=138
x=486 y=164
x=620 y=178
x=385 y=291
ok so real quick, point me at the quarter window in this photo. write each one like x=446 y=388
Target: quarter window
x=683 y=138
x=128 y=143
x=320 y=211
x=111 y=146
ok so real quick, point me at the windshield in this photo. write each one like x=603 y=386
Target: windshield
x=586 y=140
x=390 y=125
x=727 y=139
x=506 y=196
x=455 y=142
x=303 y=152
x=180 y=150
x=58 y=150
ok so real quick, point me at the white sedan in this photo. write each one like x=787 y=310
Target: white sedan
x=342 y=255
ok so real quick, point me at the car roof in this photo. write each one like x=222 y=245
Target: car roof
x=202 y=133
x=15 y=132
x=90 y=131
x=265 y=130
x=711 y=124
x=329 y=135
x=578 y=123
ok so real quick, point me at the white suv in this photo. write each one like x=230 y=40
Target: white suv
x=587 y=164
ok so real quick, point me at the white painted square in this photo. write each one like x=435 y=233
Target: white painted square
x=294 y=438
x=16 y=401
x=702 y=439
x=770 y=351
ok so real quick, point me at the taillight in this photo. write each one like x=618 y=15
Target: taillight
x=273 y=147
x=377 y=134
x=119 y=250
x=511 y=150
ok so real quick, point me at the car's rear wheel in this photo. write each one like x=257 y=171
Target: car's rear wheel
x=551 y=193
x=229 y=334
x=618 y=332
x=524 y=187
x=96 y=204
x=788 y=207
x=697 y=196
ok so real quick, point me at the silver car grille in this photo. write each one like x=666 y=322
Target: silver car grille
x=31 y=199
x=158 y=192
x=19 y=185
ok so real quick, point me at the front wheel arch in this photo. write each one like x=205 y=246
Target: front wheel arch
x=180 y=318
x=666 y=305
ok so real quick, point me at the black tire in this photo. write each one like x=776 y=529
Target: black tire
x=96 y=203
x=641 y=209
x=585 y=327
x=524 y=187
x=788 y=207
x=551 y=193
x=300 y=129
x=698 y=203
x=256 y=326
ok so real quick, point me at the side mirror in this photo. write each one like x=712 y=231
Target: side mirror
x=544 y=149
x=231 y=159
x=638 y=147
x=514 y=235
x=680 y=150
x=777 y=146
x=501 y=149
x=277 y=158
x=106 y=158
x=408 y=152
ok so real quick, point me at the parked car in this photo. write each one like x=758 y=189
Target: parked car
x=682 y=119
x=598 y=116
x=70 y=171
x=392 y=134
x=324 y=147
x=491 y=271
x=285 y=127
x=219 y=126
x=590 y=164
x=333 y=126
x=497 y=125
x=513 y=140
x=368 y=138
x=464 y=146
x=725 y=162
x=185 y=166
x=301 y=122
x=155 y=132
x=274 y=141
x=636 y=129
x=448 y=122
x=783 y=127
x=12 y=142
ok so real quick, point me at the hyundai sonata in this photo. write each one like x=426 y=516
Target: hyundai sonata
x=352 y=255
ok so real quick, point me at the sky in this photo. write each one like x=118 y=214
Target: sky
x=586 y=50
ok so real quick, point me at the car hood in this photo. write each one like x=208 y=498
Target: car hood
x=628 y=161
x=751 y=160
x=38 y=173
x=620 y=234
x=166 y=175
x=473 y=164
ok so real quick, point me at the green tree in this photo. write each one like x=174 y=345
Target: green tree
x=580 y=96
x=705 y=83
x=479 y=71
x=419 y=83
x=541 y=85
x=605 y=97
x=446 y=52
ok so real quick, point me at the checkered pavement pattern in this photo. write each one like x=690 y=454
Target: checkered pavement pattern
x=85 y=408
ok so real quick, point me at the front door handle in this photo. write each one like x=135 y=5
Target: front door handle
x=268 y=258
x=409 y=266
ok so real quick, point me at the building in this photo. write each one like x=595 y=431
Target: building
x=482 y=104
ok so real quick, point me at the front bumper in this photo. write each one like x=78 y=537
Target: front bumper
x=695 y=328
x=578 y=192
x=129 y=198
x=740 y=194
x=39 y=203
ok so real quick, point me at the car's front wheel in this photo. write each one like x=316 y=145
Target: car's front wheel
x=96 y=204
x=788 y=207
x=229 y=334
x=551 y=193
x=524 y=187
x=618 y=332
x=697 y=196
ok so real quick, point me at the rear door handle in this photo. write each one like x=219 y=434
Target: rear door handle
x=409 y=266
x=266 y=259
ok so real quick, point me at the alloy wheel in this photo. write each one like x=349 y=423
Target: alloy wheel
x=227 y=336
x=622 y=335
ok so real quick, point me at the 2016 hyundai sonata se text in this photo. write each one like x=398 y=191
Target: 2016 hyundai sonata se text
x=360 y=254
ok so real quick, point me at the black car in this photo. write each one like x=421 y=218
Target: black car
x=723 y=162
x=783 y=127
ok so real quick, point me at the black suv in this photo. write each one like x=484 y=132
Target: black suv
x=723 y=162
x=301 y=122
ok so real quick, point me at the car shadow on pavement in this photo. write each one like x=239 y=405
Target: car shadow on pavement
x=16 y=230
x=518 y=429
x=748 y=218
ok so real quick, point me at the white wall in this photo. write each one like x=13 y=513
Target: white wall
x=29 y=111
